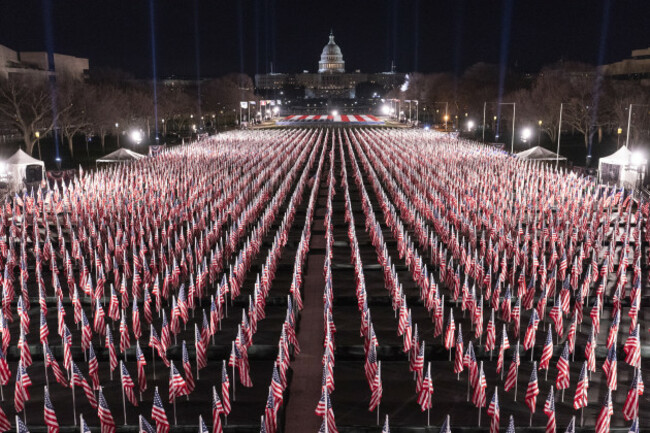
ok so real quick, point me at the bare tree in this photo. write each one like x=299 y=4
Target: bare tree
x=26 y=104
x=72 y=97
x=103 y=105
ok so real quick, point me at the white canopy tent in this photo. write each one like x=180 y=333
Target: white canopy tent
x=18 y=166
x=121 y=155
x=538 y=153
x=623 y=167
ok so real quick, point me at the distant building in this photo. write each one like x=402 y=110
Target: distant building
x=635 y=68
x=35 y=63
x=331 y=80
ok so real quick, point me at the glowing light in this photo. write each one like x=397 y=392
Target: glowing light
x=335 y=113
x=470 y=125
x=3 y=168
x=526 y=133
x=385 y=110
x=136 y=136
x=276 y=110
x=637 y=158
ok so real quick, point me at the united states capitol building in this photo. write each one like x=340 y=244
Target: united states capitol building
x=331 y=80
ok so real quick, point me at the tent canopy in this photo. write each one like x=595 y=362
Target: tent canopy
x=623 y=167
x=623 y=156
x=121 y=154
x=17 y=168
x=538 y=153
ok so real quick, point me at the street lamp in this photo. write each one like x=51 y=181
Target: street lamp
x=117 y=133
x=38 y=142
x=470 y=125
x=385 y=110
x=539 y=131
x=525 y=134
x=619 y=131
x=136 y=136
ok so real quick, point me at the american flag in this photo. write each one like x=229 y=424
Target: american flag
x=377 y=390
x=112 y=356
x=200 y=347
x=270 y=413
x=511 y=378
x=478 y=397
x=104 y=414
x=582 y=388
x=505 y=345
x=177 y=386
x=49 y=414
x=533 y=390
x=549 y=410
x=83 y=427
x=225 y=389
x=5 y=425
x=187 y=367
x=632 y=348
x=50 y=361
x=547 y=351
x=631 y=406
x=93 y=367
x=5 y=373
x=451 y=328
x=563 y=371
x=23 y=347
x=458 y=360
x=23 y=382
x=370 y=365
x=511 y=425
x=141 y=363
x=44 y=330
x=217 y=410
x=494 y=412
x=20 y=426
x=490 y=337
x=128 y=385
x=605 y=414
x=158 y=414
x=610 y=367
x=386 y=428
x=426 y=390
x=78 y=379
x=533 y=323
x=144 y=425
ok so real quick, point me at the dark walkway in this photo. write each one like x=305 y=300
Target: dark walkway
x=305 y=386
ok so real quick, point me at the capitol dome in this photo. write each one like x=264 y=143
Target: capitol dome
x=331 y=60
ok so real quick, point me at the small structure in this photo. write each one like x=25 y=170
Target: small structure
x=538 y=153
x=24 y=170
x=121 y=155
x=623 y=168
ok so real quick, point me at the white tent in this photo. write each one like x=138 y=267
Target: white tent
x=538 y=153
x=623 y=167
x=18 y=165
x=121 y=155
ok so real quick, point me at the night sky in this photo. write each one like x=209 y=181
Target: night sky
x=420 y=35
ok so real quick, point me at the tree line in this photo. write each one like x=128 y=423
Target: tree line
x=592 y=104
x=109 y=102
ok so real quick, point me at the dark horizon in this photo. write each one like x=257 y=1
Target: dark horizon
x=420 y=36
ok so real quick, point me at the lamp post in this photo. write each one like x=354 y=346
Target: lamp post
x=514 y=112
x=38 y=143
x=117 y=133
x=559 y=135
x=618 y=136
x=539 y=131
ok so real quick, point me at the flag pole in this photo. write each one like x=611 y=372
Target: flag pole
x=123 y=399
x=442 y=334
x=175 y=420
x=531 y=419
x=234 y=379
x=196 y=331
x=479 y=416
x=47 y=379
x=562 y=396
x=153 y=357
x=74 y=404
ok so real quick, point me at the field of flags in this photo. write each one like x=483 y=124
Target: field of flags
x=460 y=287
